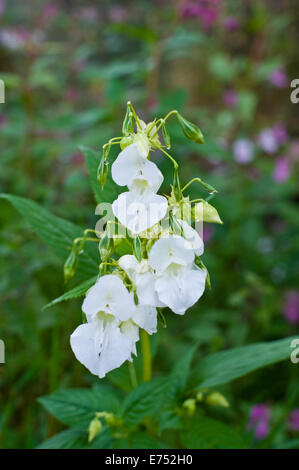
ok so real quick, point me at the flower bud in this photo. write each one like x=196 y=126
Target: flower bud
x=126 y=141
x=190 y=406
x=94 y=428
x=138 y=248
x=128 y=123
x=176 y=185
x=105 y=245
x=70 y=265
x=190 y=130
x=217 y=399
x=205 y=212
x=103 y=166
x=166 y=136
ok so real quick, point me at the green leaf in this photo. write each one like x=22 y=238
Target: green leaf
x=179 y=375
x=78 y=406
x=76 y=438
x=57 y=233
x=207 y=433
x=141 y=440
x=145 y=399
x=74 y=293
x=112 y=190
x=223 y=367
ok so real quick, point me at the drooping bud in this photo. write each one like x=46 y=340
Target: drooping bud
x=105 y=245
x=138 y=248
x=190 y=130
x=70 y=265
x=94 y=428
x=128 y=123
x=166 y=136
x=217 y=399
x=205 y=212
x=103 y=166
x=190 y=406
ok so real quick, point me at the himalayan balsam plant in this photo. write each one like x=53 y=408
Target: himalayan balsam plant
x=143 y=257
x=160 y=264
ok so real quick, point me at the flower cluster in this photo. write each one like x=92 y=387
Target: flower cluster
x=161 y=266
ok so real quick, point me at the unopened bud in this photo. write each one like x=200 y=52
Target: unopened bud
x=128 y=123
x=190 y=130
x=70 y=265
x=217 y=399
x=190 y=406
x=138 y=248
x=94 y=428
x=205 y=212
x=105 y=245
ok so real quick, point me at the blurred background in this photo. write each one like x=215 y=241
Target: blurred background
x=69 y=68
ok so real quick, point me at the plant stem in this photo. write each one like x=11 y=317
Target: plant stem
x=146 y=356
x=132 y=373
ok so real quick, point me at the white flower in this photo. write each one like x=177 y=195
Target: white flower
x=144 y=279
x=130 y=165
x=109 y=337
x=140 y=208
x=191 y=235
x=179 y=283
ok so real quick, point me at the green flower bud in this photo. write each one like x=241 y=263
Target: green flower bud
x=203 y=211
x=94 y=428
x=70 y=265
x=105 y=245
x=201 y=265
x=102 y=172
x=190 y=406
x=190 y=130
x=217 y=399
x=166 y=136
x=128 y=123
x=177 y=185
x=138 y=248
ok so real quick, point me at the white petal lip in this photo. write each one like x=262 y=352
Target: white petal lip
x=139 y=214
x=146 y=317
x=109 y=295
x=170 y=250
x=130 y=165
x=99 y=358
x=191 y=235
x=181 y=291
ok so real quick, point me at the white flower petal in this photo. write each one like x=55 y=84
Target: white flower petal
x=139 y=213
x=180 y=289
x=131 y=330
x=192 y=237
x=101 y=350
x=130 y=165
x=109 y=295
x=172 y=249
x=146 y=317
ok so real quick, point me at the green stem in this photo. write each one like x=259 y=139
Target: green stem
x=205 y=185
x=132 y=373
x=134 y=114
x=146 y=355
x=175 y=164
x=162 y=121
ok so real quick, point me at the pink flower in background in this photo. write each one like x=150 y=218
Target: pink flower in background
x=291 y=307
x=207 y=11
x=2 y=5
x=207 y=234
x=243 y=151
x=279 y=78
x=230 y=98
x=268 y=141
x=118 y=14
x=281 y=170
x=50 y=11
x=3 y=120
x=231 y=23
x=293 y=420
x=259 y=420
x=280 y=133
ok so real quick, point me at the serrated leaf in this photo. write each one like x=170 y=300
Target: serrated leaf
x=76 y=438
x=145 y=399
x=208 y=433
x=111 y=190
x=78 y=406
x=223 y=367
x=74 y=293
x=56 y=232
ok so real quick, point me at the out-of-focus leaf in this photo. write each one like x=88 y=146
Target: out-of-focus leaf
x=74 y=293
